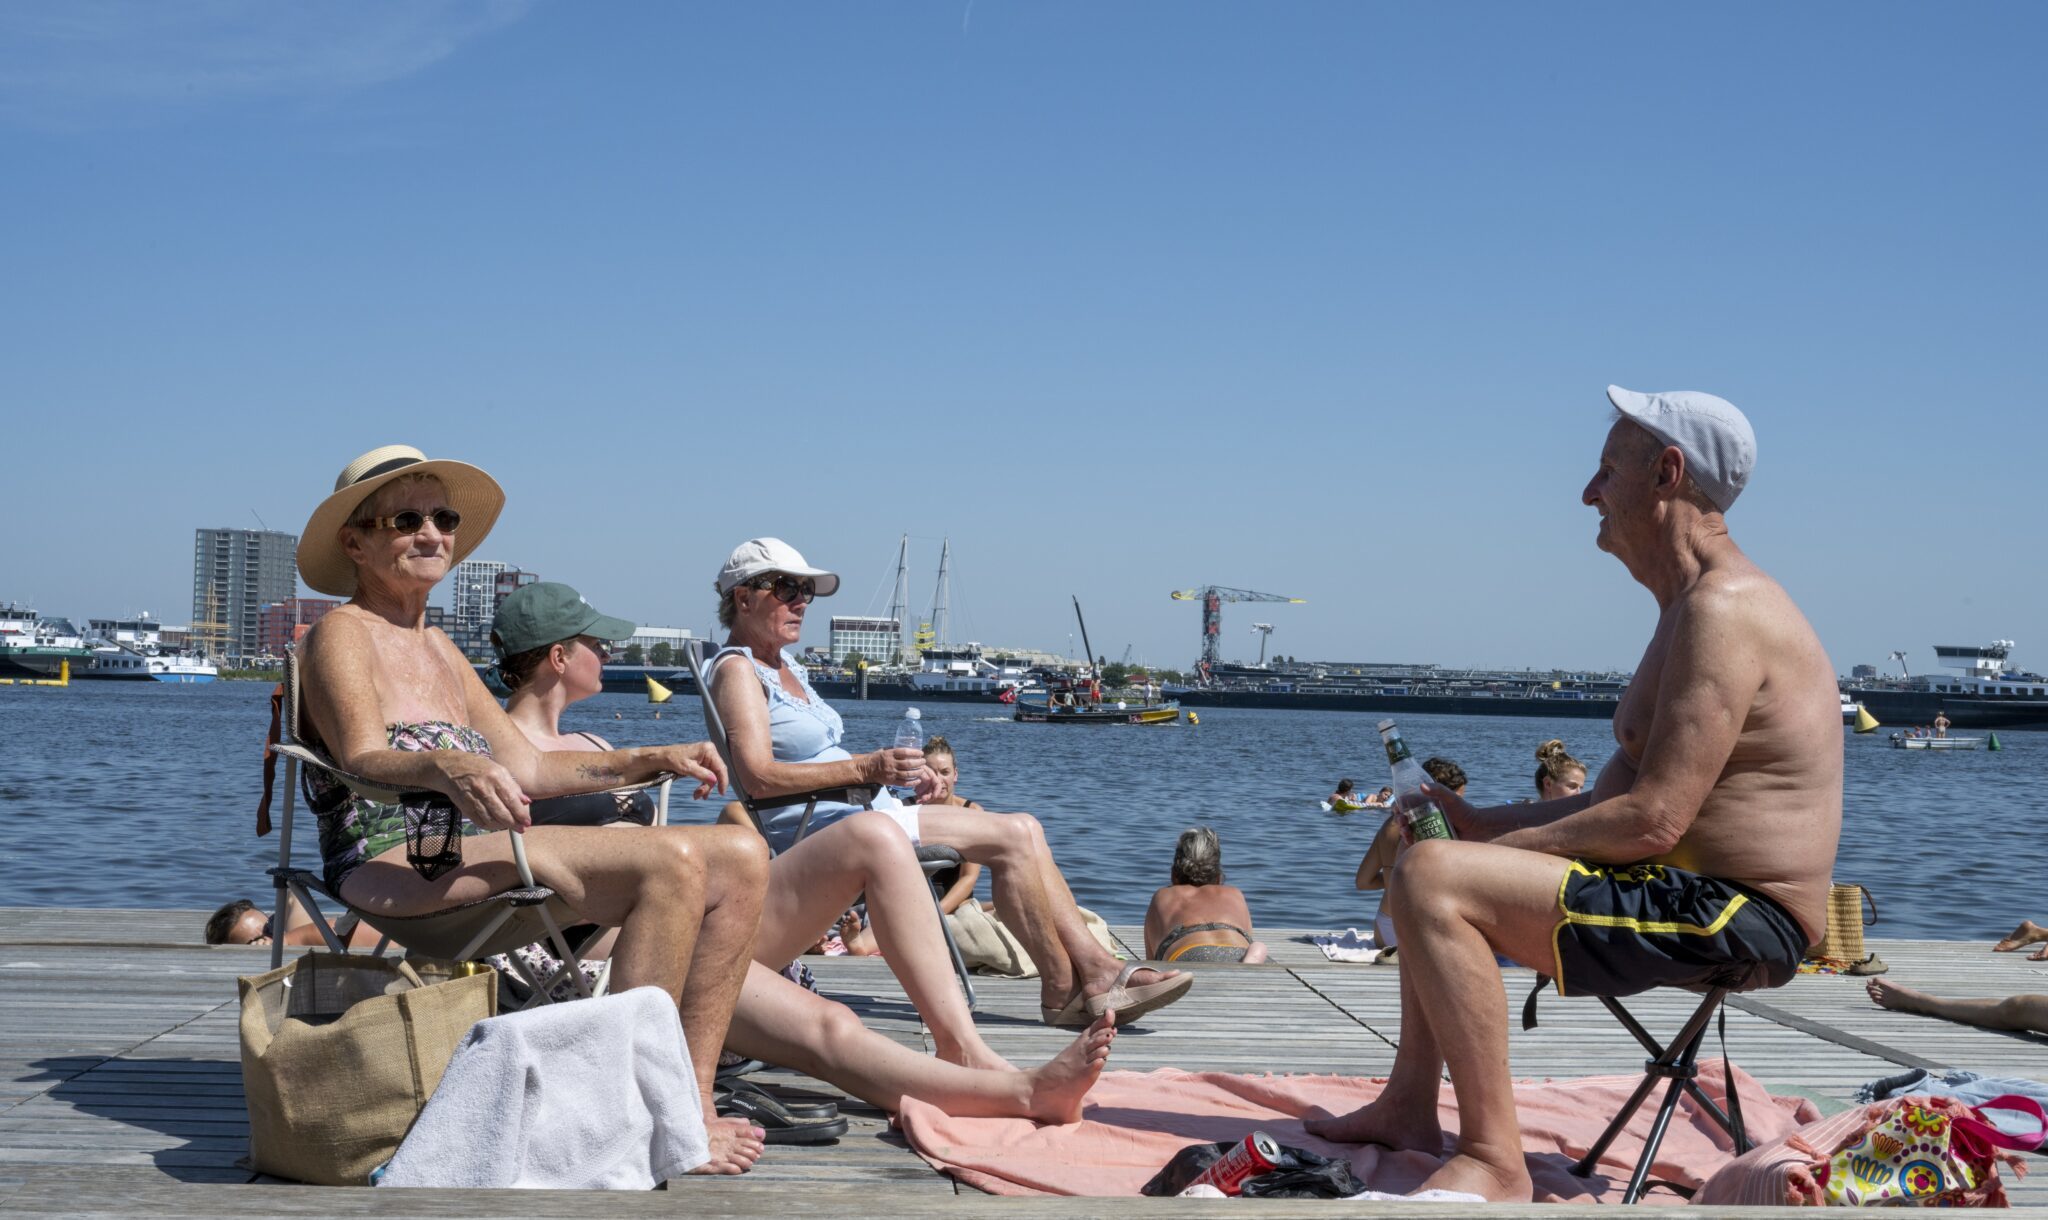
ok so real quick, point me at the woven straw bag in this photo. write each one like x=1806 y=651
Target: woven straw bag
x=1844 y=939
x=340 y=1051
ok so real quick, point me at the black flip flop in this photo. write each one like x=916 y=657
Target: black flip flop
x=782 y=1123
x=801 y=1110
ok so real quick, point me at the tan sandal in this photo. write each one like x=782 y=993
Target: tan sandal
x=1131 y=1003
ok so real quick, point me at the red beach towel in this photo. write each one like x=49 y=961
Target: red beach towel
x=1136 y=1121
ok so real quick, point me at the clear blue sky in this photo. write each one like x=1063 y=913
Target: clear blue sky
x=1315 y=298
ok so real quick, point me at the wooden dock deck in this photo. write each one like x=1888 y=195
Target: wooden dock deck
x=120 y=1078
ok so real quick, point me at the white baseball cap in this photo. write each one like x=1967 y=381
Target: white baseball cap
x=1716 y=439
x=757 y=556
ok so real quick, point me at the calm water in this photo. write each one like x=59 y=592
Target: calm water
x=160 y=782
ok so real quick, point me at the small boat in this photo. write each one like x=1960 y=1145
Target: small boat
x=1041 y=712
x=1080 y=700
x=1901 y=741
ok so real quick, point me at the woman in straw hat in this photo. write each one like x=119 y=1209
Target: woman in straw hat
x=393 y=700
x=551 y=645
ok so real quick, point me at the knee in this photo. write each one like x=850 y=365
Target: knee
x=741 y=852
x=840 y=1033
x=1427 y=874
x=1024 y=832
x=871 y=837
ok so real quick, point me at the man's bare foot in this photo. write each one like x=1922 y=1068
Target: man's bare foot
x=1897 y=996
x=2028 y=933
x=1494 y=1183
x=735 y=1145
x=1256 y=954
x=1403 y=1124
x=1059 y=1087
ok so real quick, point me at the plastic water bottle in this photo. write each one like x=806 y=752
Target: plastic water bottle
x=909 y=736
x=1425 y=820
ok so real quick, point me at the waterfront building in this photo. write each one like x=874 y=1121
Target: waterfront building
x=647 y=637
x=283 y=623
x=235 y=573
x=473 y=602
x=878 y=640
x=1858 y=673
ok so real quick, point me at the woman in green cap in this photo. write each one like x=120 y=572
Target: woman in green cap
x=552 y=645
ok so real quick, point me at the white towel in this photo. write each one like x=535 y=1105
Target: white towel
x=594 y=1094
x=1352 y=946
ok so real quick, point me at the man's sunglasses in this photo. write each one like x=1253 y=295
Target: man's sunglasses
x=789 y=590
x=447 y=520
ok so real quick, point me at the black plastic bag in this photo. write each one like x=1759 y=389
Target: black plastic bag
x=1300 y=1174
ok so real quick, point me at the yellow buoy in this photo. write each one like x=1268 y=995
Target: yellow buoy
x=1193 y=718
x=1865 y=722
x=657 y=693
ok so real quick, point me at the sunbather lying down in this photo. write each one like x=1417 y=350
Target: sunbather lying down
x=2028 y=933
x=2018 y=1013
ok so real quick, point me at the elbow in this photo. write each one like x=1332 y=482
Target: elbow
x=1660 y=832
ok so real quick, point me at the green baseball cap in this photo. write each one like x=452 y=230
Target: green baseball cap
x=548 y=612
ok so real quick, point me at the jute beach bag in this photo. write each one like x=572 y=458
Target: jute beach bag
x=988 y=947
x=1844 y=939
x=340 y=1052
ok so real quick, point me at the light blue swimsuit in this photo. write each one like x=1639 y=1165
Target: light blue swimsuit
x=803 y=730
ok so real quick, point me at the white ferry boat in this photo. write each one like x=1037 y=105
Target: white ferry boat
x=35 y=647
x=962 y=668
x=182 y=667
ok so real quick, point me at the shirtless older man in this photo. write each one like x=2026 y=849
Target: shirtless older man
x=1719 y=812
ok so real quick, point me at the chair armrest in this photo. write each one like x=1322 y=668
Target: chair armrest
x=369 y=789
x=850 y=794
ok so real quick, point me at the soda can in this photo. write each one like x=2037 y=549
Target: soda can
x=1257 y=1153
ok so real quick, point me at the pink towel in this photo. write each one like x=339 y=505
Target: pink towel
x=1135 y=1122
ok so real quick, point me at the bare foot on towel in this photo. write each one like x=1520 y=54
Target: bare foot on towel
x=1473 y=1175
x=1059 y=1087
x=735 y=1145
x=1391 y=1121
x=2028 y=933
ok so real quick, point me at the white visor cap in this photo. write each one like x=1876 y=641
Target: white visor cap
x=1715 y=437
x=758 y=556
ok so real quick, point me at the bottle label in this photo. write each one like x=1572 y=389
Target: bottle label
x=1396 y=750
x=1426 y=821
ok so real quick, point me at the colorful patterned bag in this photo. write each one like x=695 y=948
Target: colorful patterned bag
x=1929 y=1152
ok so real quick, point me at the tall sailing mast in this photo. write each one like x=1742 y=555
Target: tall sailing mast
x=942 y=594
x=899 y=603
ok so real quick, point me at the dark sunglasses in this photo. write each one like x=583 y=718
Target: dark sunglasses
x=788 y=590
x=447 y=520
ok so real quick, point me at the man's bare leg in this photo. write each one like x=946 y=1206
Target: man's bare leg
x=1034 y=899
x=2019 y=1013
x=1457 y=905
x=1404 y=1115
x=2028 y=933
x=785 y=1024
x=811 y=883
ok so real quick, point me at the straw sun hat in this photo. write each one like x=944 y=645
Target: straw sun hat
x=325 y=567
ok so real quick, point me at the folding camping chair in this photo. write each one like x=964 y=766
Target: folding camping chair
x=524 y=915
x=936 y=861
x=1676 y=1063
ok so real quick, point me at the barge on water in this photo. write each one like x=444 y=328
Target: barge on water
x=1984 y=695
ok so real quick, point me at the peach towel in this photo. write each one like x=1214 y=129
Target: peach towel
x=1136 y=1121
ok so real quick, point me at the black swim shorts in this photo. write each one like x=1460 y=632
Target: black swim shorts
x=1628 y=928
